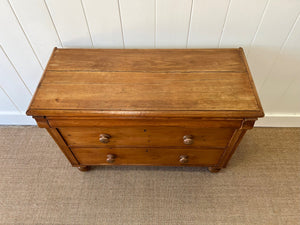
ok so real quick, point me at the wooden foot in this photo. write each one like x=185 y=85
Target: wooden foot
x=84 y=168
x=214 y=169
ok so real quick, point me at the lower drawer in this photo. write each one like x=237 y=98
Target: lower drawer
x=147 y=156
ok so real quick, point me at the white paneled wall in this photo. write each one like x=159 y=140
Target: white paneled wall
x=172 y=23
x=16 y=46
x=206 y=27
x=12 y=83
x=69 y=18
x=138 y=23
x=103 y=19
x=269 y=31
x=38 y=27
x=242 y=22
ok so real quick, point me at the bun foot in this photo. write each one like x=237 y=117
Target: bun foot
x=84 y=168
x=214 y=169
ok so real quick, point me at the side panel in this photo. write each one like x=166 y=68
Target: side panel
x=43 y=123
x=234 y=142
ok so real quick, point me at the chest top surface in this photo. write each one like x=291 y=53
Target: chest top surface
x=147 y=82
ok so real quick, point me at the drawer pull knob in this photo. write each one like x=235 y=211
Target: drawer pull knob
x=110 y=158
x=183 y=159
x=188 y=139
x=104 y=138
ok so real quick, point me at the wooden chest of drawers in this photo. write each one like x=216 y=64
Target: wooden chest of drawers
x=147 y=107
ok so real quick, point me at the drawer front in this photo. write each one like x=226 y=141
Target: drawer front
x=146 y=136
x=147 y=156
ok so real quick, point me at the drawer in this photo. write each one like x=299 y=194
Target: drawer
x=147 y=136
x=147 y=156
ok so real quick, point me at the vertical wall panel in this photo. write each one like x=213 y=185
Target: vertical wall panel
x=104 y=23
x=37 y=24
x=284 y=71
x=69 y=19
x=5 y=104
x=13 y=40
x=242 y=22
x=276 y=24
x=173 y=18
x=207 y=22
x=290 y=102
x=12 y=84
x=138 y=19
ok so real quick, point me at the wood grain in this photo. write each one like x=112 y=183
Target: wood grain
x=147 y=91
x=62 y=145
x=147 y=107
x=141 y=122
x=146 y=136
x=209 y=82
x=147 y=156
x=148 y=114
x=251 y=81
x=102 y=77
x=149 y=60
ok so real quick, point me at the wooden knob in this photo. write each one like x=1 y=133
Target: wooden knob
x=104 y=138
x=183 y=159
x=110 y=158
x=188 y=139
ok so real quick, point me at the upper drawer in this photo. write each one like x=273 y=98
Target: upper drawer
x=146 y=136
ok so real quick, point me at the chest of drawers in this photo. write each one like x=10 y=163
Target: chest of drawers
x=147 y=107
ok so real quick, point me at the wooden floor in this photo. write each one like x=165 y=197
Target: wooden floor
x=261 y=185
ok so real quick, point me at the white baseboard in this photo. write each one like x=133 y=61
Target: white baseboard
x=270 y=120
x=15 y=118
x=279 y=120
